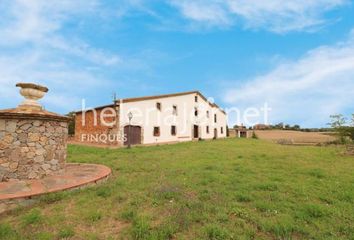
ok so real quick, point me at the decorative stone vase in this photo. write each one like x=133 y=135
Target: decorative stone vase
x=32 y=93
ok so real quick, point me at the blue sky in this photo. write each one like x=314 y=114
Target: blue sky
x=298 y=56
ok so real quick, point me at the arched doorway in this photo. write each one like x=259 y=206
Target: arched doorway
x=133 y=134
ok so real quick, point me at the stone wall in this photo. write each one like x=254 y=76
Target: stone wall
x=31 y=149
x=92 y=128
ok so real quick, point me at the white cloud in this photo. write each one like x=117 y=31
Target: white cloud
x=83 y=50
x=34 y=20
x=274 y=15
x=38 y=23
x=34 y=49
x=210 y=12
x=304 y=91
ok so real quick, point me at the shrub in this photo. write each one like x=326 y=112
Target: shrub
x=254 y=135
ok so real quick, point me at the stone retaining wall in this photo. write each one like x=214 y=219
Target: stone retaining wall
x=31 y=149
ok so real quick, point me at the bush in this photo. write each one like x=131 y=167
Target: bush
x=349 y=131
x=254 y=135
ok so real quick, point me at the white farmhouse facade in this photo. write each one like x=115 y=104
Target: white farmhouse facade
x=162 y=119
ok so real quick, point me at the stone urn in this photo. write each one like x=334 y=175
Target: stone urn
x=32 y=93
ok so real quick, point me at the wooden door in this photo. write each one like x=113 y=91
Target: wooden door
x=215 y=133
x=196 y=131
x=133 y=134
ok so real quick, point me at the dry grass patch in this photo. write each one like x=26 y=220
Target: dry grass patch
x=295 y=137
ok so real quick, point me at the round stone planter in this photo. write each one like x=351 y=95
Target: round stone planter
x=31 y=148
x=32 y=140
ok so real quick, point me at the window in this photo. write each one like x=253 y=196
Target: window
x=207 y=129
x=208 y=114
x=196 y=112
x=222 y=130
x=215 y=118
x=158 y=106
x=156 y=131
x=196 y=99
x=173 y=130
x=174 y=110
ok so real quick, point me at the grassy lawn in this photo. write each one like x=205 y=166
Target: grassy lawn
x=226 y=189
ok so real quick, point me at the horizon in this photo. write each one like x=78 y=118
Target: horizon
x=298 y=58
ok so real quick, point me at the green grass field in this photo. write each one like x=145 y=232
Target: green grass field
x=225 y=189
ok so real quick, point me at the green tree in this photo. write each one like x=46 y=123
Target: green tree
x=296 y=127
x=343 y=129
x=337 y=121
x=71 y=126
x=279 y=126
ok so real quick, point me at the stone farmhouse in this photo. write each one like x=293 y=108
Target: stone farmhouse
x=169 y=118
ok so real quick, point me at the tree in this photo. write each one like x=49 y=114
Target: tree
x=344 y=130
x=71 y=126
x=296 y=127
x=352 y=120
x=279 y=126
x=337 y=121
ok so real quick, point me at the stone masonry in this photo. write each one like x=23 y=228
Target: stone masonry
x=31 y=148
x=33 y=144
